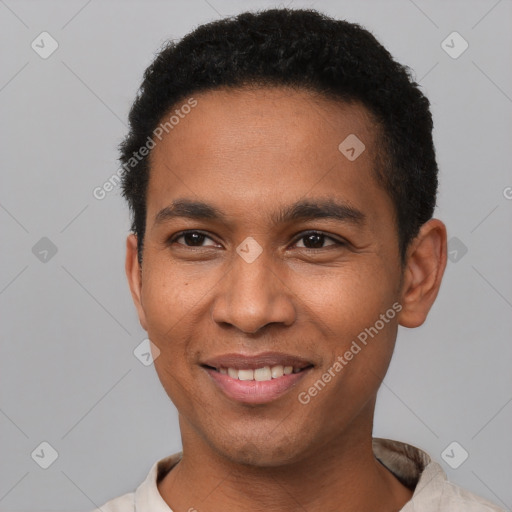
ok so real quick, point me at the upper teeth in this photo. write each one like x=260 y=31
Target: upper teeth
x=260 y=374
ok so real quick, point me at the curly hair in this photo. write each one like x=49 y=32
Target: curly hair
x=304 y=49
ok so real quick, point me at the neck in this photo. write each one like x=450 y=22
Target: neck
x=342 y=475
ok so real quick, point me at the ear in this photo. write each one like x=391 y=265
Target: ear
x=134 y=276
x=424 y=269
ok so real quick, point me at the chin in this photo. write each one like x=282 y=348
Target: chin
x=262 y=453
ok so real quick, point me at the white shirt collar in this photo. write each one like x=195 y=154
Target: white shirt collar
x=412 y=466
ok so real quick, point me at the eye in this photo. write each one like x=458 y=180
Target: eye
x=191 y=239
x=315 y=240
x=312 y=240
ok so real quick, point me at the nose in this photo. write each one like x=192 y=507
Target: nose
x=253 y=295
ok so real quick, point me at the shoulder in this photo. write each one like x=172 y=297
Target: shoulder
x=455 y=498
x=146 y=496
x=124 y=503
x=435 y=492
x=432 y=490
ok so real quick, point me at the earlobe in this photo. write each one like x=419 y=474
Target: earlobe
x=424 y=269
x=134 y=276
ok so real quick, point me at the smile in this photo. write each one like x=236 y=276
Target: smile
x=256 y=379
x=259 y=374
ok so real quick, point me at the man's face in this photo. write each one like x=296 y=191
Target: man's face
x=251 y=155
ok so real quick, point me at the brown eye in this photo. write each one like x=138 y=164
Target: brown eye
x=316 y=240
x=191 y=239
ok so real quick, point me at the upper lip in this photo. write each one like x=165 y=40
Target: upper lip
x=245 y=361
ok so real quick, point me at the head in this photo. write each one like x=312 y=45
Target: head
x=283 y=203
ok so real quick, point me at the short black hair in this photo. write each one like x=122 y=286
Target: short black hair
x=303 y=49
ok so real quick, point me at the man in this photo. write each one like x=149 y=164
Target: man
x=282 y=178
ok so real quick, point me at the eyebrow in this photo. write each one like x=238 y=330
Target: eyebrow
x=299 y=211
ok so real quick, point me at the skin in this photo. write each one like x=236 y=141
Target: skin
x=250 y=153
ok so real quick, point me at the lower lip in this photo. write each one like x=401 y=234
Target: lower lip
x=253 y=391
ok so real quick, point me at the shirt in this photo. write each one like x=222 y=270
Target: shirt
x=412 y=466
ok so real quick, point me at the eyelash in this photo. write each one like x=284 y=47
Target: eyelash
x=304 y=234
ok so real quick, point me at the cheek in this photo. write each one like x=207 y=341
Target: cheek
x=174 y=299
x=166 y=312
x=348 y=299
x=356 y=311
x=171 y=294
x=167 y=304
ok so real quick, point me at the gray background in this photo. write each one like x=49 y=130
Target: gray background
x=68 y=373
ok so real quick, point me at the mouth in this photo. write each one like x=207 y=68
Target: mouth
x=256 y=379
x=262 y=374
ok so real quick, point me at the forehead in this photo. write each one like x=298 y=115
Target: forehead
x=253 y=148
x=249 y=116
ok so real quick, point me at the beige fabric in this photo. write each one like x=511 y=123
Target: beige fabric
x=412 y=466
